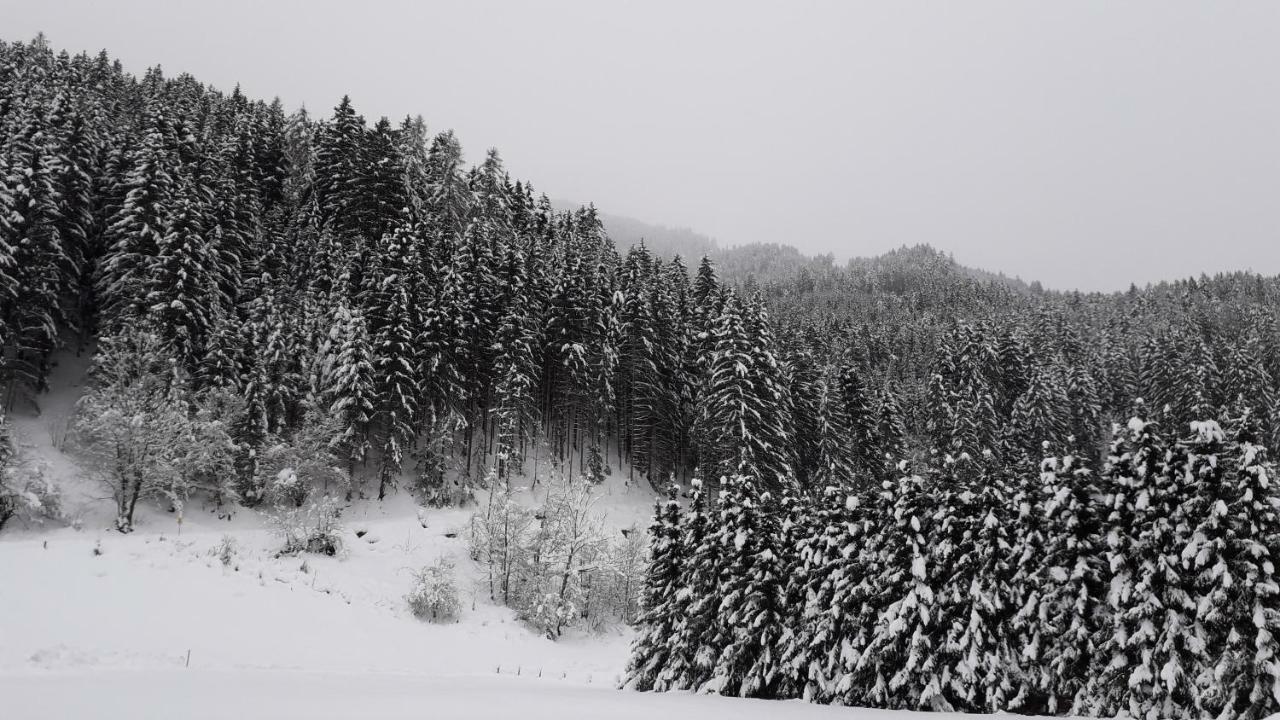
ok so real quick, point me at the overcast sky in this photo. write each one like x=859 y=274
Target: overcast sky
x=1085 y=144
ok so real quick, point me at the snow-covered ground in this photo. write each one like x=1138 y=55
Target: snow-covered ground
x=284 y=695
x=94 y=624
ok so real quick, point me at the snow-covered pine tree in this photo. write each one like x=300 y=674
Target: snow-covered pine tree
x=136 y=232
x=1238 y=587
x=637 y=406
x=652 y=650
x=891 y=430
x=1146 y=657
x=1084 y=408
x=898 y=669
x=517 y=342
x=840 y=446
x=339 y=165
x=1195 y=388
x=40 y=261
x=392 y=317
x=1040 y=413
x=863 y=426
x=744 y=422
x=179 y=293
x=750 y=614
x=448 y=197
x=349 y=382
x=974 y=664
x=830 y=582
x=695 y=644
x=1157 y=375
x=1060 y=583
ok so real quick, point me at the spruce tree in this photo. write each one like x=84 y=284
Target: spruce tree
x=1238 y=590
x=1145 y=660
x=750 y=614
x=652 y=649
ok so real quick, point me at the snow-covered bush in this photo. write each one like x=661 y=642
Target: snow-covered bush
x=613 y=584
x=550 y=612
x=501 y=539
x=436 y=480
x=25 y=493
x=554 y=566
x=226 y=550
x=435 y=593
x=30 y=496
x=148 y=437
x=207 y=460
x=8 y=495
x=570 y=545
x=302 y=465
x=315 y=527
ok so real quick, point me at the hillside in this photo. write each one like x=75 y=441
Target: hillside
x=897 y=483
x=284 y=636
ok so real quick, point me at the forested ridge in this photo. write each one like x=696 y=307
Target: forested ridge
x=897 y=482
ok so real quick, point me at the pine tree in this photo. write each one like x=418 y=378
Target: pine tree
x=1146 y=658
x=697 y=643
x=179 y=294
x=652 y=650
x=834 y=583
x=349 y=385
x=862 y=424
x=898 y=669
x=750 y=612
x=1072 y=600
x=744 y=414
x=1039 y=413
x=136 y=233
x=392 y=317
x=1239 y=594
x=517 y=367
x=973 y=662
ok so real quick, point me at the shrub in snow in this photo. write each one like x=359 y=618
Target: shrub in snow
x=435 y=593
x=296 y=467
x=315 y=527
x=568 y=550
x=226 y=550
x=149 y=438
x=28 y=495
x=436 y=480
x=25 y=493
x=614 y=584
x=550 y=612
x=501 y=540
x=555 y=567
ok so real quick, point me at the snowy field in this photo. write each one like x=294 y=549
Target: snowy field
x=285 y=695
x=99 y=625
x=95 y=624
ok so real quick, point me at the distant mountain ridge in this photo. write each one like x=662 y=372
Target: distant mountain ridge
x=773 y=260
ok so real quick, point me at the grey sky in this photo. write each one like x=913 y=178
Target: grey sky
x=1085 y=144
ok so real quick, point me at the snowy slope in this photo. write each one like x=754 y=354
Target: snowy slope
x=80 y=603
x=94 y=624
